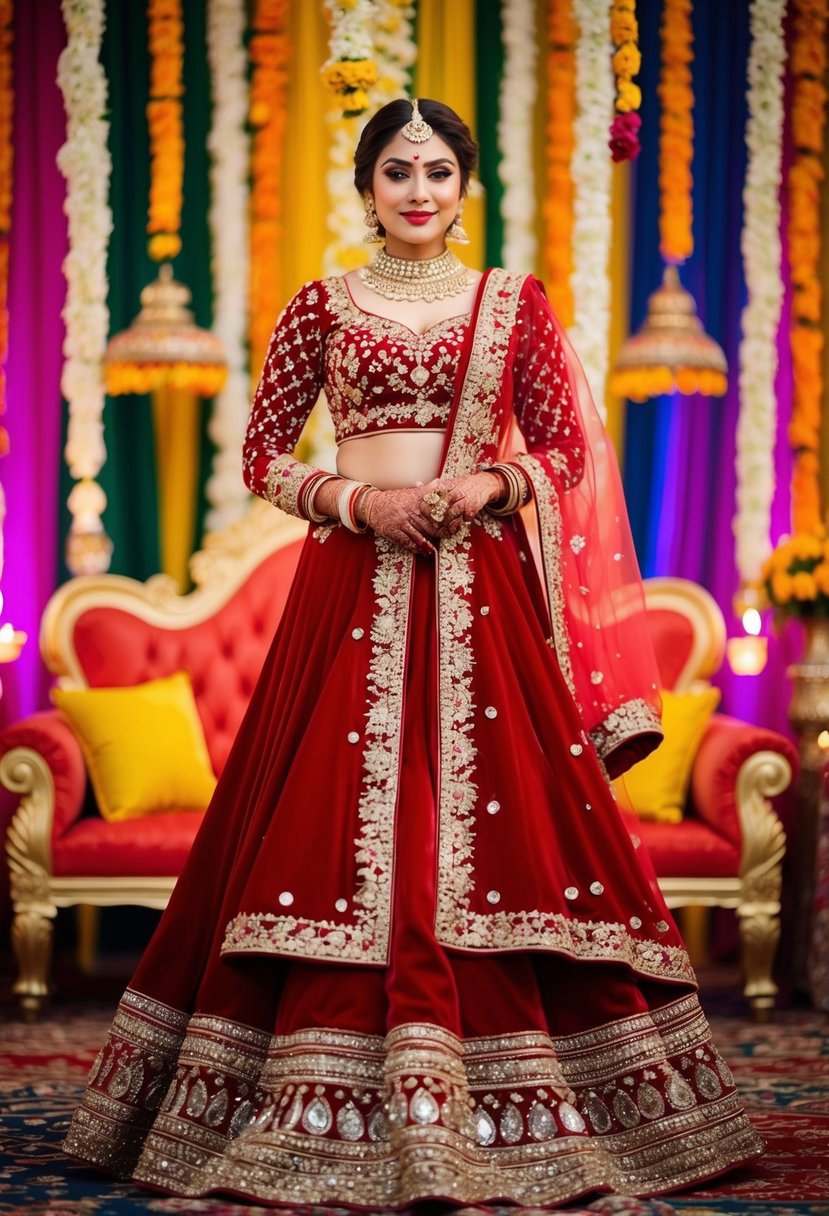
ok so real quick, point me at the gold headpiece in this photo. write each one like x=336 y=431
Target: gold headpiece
x=416 y=130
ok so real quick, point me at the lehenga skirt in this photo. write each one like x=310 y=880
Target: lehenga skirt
x=530 y=1076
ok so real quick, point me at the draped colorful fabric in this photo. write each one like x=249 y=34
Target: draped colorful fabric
x=436 y=966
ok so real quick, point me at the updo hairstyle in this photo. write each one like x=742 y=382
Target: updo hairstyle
x=382 y=127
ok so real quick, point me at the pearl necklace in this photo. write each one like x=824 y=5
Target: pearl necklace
x=412 y=279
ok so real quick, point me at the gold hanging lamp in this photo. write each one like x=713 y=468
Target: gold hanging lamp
x=163 y=347
x=671 y=351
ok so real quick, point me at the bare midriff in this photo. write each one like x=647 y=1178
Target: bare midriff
x=393 y=459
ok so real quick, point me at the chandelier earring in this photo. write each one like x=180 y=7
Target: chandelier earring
x=456 y=231
x=372 y=223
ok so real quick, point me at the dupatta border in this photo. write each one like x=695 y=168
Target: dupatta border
x=473 y=427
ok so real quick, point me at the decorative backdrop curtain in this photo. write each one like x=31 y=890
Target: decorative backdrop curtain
x=31 y=471
x=679 y=453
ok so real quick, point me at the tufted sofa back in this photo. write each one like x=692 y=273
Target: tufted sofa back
x=223 y=652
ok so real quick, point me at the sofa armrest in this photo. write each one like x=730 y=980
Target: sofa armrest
x=737 y=766
x=59 y=781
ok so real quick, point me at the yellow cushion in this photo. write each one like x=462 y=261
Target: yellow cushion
x=143 y=745
x=657 y=786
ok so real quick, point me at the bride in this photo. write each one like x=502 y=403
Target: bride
x=415 y=953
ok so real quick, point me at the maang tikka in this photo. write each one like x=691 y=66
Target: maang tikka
x=417 y=130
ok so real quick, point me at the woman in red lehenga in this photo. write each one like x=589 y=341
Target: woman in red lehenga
x=414 y=953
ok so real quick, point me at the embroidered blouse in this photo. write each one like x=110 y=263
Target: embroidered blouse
x=379 y=375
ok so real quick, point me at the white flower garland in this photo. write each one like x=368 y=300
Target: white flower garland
x=395 y=49
x=84 y=161
x=351 y=30
x=591 y=172
x=760 y=245
x=229 y=147
x=517 y=99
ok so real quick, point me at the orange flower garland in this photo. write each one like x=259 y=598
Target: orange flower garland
x=676 y=132
x=627 y=60
x=558 y=201
x=164 y=118
x=6 y=155
x=268 y=92
x=808 y=118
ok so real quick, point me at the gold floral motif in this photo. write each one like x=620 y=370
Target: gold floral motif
x=418 y=370
x=340 y=1117
x=549 y=517
x=285 y=477
x=366 y=940
x=632 y=718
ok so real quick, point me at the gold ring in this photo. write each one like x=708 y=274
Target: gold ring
x=437 y=506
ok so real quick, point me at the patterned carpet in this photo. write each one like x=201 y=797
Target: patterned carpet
x=782 y=1070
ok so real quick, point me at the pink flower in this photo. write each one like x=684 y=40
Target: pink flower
x=624 y=136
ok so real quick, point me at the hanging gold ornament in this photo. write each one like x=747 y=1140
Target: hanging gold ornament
x=671 y=351
x=164 y=347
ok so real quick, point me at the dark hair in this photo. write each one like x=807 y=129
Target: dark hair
x=381 y=129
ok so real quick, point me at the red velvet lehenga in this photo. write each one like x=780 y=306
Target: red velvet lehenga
x=415 y=953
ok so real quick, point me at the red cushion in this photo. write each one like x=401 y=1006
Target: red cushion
x=223 y=654
x=673 y=639
x=149 y=847
x=686 y=850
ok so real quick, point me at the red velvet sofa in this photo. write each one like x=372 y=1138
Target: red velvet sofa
x=112 y=631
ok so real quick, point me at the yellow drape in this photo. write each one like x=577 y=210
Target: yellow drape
x=305 y=161
x=445 y=71
x=176 y=417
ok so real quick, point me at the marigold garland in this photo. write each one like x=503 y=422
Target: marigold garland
x=269 y=54
x=558 y=197
x=164 y=118
x=676 y=132
x=808 y=119
x=351 y=71
x=6 y=162
x=627 y=60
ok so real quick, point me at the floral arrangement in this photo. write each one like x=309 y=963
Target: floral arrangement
x=164 y=118
x=6 y=155
x=516 y=99
x=627 y=60
x=228 y=145
x=760 y=244
x=558 y=197
x=350 y=71
x=591 y=170
x=808 y=111
x=269 y=54
x=84 y=161
x=795 y=577
x=676 y=132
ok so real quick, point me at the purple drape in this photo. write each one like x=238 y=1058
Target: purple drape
x=30 y=474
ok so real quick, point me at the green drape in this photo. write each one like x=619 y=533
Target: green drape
x=490 y=61
x=129 y=475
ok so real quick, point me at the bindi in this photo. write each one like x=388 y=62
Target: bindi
x=415 y=156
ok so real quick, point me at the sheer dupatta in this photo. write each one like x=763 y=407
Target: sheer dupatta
x=594 y=588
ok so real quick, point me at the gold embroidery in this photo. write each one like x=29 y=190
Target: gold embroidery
x=322 y=1116
x=285 y=476
x=549 y=515
x=417 y=370
x=476 y=420
x=366 y=940
x=633 y=718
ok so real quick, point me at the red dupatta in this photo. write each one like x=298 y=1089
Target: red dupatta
x=594 y=588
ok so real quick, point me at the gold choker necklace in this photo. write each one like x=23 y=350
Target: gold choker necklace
x=411 y=279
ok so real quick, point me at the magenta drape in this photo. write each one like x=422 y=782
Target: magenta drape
x=30 y=474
